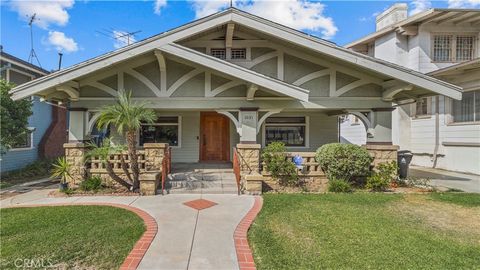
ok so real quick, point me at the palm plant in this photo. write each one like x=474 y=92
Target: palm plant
x=61 y=169
x=127 y=117
x=103 y=152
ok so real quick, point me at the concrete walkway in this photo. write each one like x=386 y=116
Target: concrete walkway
x=448 y=179
x=187 y=238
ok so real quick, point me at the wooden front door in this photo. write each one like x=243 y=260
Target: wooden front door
x=214 y=137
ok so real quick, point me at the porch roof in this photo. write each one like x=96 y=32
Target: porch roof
x=67 y=77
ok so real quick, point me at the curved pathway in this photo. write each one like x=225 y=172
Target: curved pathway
x=195 y=231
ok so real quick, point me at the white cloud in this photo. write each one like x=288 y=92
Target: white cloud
x=419 y=6
x=158 y=5
x=47 y=12
x=62 y=42
x=463 y=3
x=122 y=39
x=298 y=14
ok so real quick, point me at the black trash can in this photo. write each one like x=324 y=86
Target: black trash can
x=404 y=158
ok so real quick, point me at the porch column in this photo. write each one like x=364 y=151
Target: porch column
x=379 y=144
x=75 y=156
x=77 y=124
x=381 y=119
x=248 y=124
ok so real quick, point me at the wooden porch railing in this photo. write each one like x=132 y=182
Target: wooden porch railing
x=310 y=165
x=236 y=168
x=166 y=167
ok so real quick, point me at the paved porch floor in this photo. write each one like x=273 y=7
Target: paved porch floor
x=202 y=178
x=187 y=238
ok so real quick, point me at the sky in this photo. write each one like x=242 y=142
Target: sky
x=83 y=29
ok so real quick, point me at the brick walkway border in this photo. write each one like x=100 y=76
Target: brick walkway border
x=133 y=259
x=244 y=253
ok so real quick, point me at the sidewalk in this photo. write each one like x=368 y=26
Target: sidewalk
x=187 y=238
x=448 y=179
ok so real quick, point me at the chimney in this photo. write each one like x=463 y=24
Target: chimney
x=394 y=14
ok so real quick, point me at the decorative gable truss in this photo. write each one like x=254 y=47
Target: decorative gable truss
x=349 y=74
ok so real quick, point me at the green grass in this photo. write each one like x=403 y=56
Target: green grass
x=464 y=199
x=352 y=231
x=93 y=237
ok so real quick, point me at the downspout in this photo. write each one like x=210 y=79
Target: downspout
x=437 y=131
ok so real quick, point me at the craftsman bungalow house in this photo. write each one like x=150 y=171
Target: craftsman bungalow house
x=233 y=79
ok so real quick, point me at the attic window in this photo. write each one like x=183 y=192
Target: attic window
x=218 y=53
x=239 y=54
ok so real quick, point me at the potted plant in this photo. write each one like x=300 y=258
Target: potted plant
x=61 y=169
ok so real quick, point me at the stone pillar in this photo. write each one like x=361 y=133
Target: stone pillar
x=149 y=183
x=382 y=153
x=248 y=119
x=75 y=154
x=154 y=153
x=249 y=158
x=77 y=124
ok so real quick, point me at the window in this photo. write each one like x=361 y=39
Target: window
x=239 y=53
x=164 y=130
x=465 y=48
x=25 y=141
x=218 y=53
x=422 y=107
x=290 y=130
x=453 y=48
x=442 y=48
x=467 y=109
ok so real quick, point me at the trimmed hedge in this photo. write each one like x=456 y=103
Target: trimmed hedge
x=344 y=161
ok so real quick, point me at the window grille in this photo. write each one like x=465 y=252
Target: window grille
x=218 y=53
x=239 y=53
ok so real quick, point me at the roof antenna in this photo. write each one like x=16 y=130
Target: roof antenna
x=60 y=60
x=231 y=3
x=124 y=36
x=32 y=51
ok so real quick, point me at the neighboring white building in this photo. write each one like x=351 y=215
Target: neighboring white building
x=443 y=43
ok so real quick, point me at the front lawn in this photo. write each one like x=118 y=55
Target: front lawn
x=364 y=230
x=66 y=237
x=465 y=199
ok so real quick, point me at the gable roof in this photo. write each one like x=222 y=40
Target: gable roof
x=435 y=15
x=259 y=24
x=22 y=63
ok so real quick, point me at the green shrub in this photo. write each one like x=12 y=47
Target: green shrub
x=344 y=161
x=91 y=184
x=280 y=167
x=339 y=185
x=381 y=179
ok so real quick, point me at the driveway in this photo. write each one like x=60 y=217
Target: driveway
x=448 y=179
x=187 y=238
